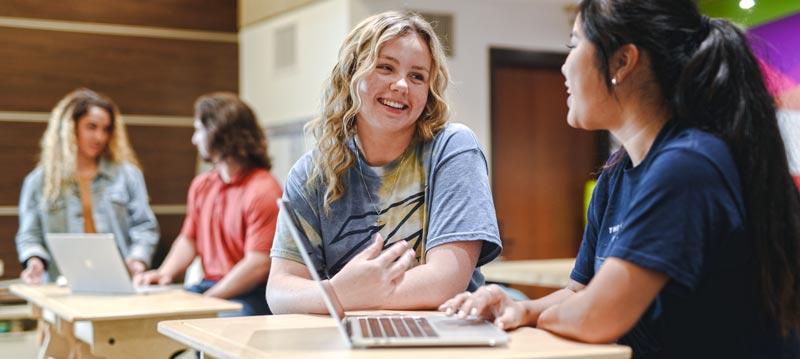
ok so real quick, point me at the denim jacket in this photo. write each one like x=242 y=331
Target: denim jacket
x=119 y=206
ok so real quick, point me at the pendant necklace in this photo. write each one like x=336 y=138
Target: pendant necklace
x=380 y=222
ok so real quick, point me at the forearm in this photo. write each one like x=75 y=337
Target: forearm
x=573 y=318
x=609 y=307
x=179 y=257
x=287 y=293
x=251 y=271
x=426 y=287
x=534 y=308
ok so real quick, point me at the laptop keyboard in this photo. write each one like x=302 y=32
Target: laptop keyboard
x=396 y=327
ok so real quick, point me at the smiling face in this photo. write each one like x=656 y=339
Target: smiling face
x=589 y=99
x=93 y=131
x=394 y=94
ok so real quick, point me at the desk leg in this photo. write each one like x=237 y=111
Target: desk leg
x=136 y=338
x=53 y=344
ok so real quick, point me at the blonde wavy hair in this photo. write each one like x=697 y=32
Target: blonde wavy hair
x=341 y=101
x=59 y=142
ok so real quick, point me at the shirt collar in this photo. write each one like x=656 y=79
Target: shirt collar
x=236 y=179
x=104 y=168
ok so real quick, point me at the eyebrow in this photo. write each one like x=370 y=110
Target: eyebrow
x=415 y=67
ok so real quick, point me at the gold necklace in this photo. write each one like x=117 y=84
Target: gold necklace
x=379 y=221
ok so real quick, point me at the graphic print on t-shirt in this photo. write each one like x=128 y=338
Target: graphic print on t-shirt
x=398 y=216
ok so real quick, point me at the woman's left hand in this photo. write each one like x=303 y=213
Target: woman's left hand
x=489 y=302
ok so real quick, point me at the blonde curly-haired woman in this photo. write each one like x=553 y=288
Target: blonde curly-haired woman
x=390 y=185
x=87 y=181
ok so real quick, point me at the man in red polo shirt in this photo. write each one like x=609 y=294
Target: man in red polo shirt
x=231 y=211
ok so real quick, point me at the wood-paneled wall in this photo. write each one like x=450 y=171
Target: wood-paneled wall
x=153 y=58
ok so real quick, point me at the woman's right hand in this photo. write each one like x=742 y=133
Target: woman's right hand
x=489 y=302
x=369 y=279
x=34 y=271
x=151 y=277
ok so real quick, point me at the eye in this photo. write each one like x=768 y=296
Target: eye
x=384 y=67
x=418 y=77
x=570 y=46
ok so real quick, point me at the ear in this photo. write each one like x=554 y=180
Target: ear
x=624 y=62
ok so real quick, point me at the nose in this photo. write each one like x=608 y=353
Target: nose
x=401 y=84
x=101 y=135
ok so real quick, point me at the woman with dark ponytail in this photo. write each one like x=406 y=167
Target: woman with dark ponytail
x=692 y=248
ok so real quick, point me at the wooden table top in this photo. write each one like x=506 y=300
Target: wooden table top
x=316 y=336
x=73 y=307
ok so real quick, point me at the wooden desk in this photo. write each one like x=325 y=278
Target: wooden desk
x=90 y=326
x=539 y=272
x=314 y=336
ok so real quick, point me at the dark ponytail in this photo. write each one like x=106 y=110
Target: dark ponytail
x=722 y=90
x=712 y=81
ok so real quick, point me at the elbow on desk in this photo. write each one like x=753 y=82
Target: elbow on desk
x=589 y=327
x=276 y=305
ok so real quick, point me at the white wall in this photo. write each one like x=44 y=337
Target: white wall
x=284 y=98
x=294 y=95
x=538 y=25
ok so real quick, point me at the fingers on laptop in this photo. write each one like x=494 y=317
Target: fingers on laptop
x=478 y=303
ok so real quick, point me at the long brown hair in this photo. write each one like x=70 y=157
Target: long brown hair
x=233 y=131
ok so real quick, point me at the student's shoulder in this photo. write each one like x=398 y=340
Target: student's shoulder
x=36 y=176
x=202 y=180
x=456 y=137
x=262 y=180
x=695 y=148
x=301 y=170
x=693 y=157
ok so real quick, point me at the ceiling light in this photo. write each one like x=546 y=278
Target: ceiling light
x=747 y=4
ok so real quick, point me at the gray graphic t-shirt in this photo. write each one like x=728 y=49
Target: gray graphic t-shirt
x=443 y=183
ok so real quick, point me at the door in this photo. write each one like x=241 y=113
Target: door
x=540 y=164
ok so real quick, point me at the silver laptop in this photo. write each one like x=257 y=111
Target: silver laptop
x=91 y=263
x=391 y=331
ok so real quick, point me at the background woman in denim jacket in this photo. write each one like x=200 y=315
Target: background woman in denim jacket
x=86 y=166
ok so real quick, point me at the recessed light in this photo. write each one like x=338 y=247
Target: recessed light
x=747 y=4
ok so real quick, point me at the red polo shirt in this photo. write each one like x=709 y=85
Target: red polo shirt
x=225 y=220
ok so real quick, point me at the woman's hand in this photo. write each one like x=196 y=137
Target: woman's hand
x=135 y=266
x=371 y=277
x=151 y=277
x=34 y=271
x=490 y=302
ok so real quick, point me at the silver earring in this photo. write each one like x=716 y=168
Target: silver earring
x=614 y=81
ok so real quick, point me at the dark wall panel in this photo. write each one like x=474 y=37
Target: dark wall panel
x=19 y=152
x=143 y=75
x=8 y=250
x=168 y=160
x=170 y=226
x=211 y=15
